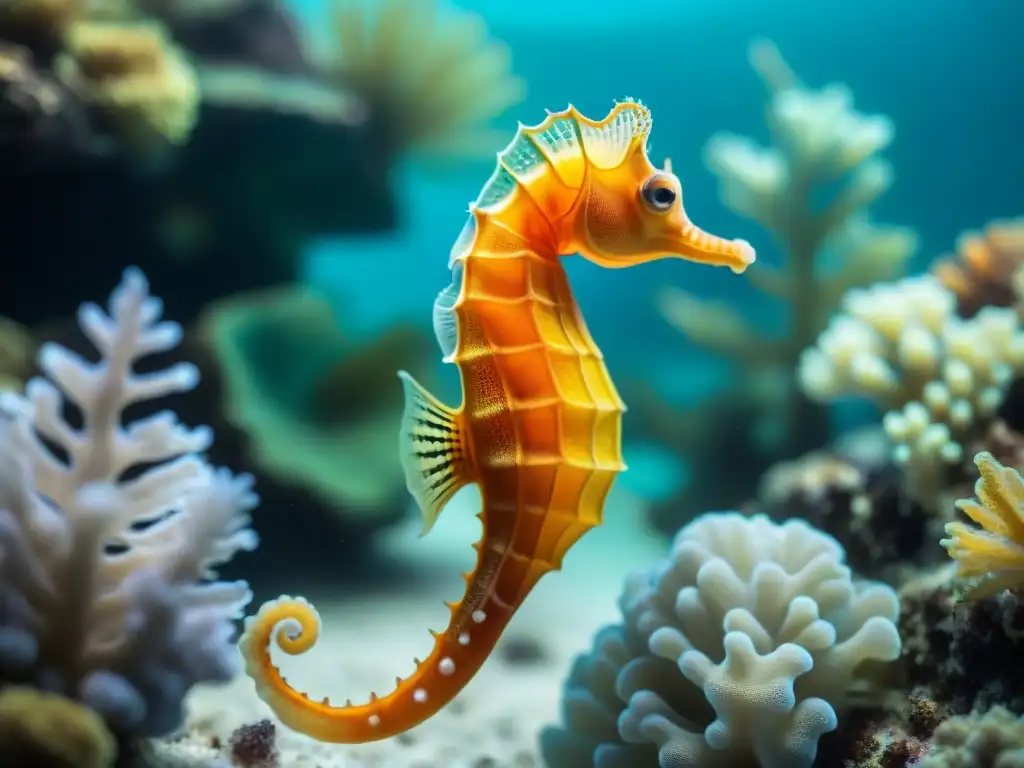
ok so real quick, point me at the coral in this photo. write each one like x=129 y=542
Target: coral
x=17 y=354
x=109 y=533
x=941 y=378
x=431 y=77
x=994 y=551
x=740 y=649
x=981 y=271
x=48 y=731
x=993 y=739
x=254 y=33
x=957 y=650
x=861 y=503
x=253 y=89
x=282 y=358
x=39 y=117
x=819 y=141
x=810 y=189
x=138 y=82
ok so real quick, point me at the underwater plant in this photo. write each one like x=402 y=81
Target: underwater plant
x=310 y=401
x=737 y=651
x=109 y=532
x=811 y=189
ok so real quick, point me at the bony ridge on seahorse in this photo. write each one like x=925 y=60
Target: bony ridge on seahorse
x=539 y=429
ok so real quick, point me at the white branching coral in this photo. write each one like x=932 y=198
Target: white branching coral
x=820 y=144
x=810 y=188
x=109 y=532
x=941 y=378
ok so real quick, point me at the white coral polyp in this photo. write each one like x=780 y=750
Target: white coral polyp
x=767 y=623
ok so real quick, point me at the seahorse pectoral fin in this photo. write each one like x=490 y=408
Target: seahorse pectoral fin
x=432 y=451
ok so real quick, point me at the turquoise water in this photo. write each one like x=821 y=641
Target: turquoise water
x=949 y=77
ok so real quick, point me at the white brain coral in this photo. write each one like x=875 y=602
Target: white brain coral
x=766 y=624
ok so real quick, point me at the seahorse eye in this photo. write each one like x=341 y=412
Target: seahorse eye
x=659 y=193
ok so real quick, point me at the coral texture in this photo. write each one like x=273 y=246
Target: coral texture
x=132 y=75
x=810 y=189
x=763 y=630
x=940 y=377
x=994 y=549
x=993 y=739
x=431 y=78
x=983 y=269
x=49 y=731
x=109 y=532
x=859 y=502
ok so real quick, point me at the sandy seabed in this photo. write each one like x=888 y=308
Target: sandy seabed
x=367 y=641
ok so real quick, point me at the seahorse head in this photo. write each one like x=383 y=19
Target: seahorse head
x=630 y=211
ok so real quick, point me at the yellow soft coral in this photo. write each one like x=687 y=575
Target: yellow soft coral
x=135 y=78
x=44 y=729
x=993 y=552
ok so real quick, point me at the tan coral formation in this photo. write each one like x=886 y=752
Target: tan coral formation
x=43 y=729
x=940 y=378
x=992 y=739
x=135 y=77
x=983 y=268
x=431 y=76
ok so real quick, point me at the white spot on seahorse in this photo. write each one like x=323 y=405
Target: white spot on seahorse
x=479 y=616
x=447 y=666
x=464 y=638
x=419 y=695
x=374 y=721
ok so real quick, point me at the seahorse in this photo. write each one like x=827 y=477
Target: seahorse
x=539 y=428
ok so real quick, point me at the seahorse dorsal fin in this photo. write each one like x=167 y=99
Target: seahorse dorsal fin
x=432 y=451
x=607 y=142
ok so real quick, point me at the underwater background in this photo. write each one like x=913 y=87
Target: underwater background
x=226 y=224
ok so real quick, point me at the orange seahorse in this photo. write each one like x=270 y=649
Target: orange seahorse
x=539 y=429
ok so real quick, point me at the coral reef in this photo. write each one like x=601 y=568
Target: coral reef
x=431 y=79
x=141 y=85
x=49 y=731
x=109 y=532
x=861 y=503
x=940 y=378
x=740 y=649
x=811 y=189
x=201 y=156
x=994 y=739
x=957 y=651
x=982 y=271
